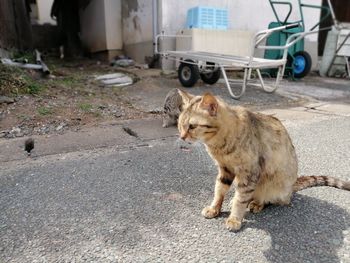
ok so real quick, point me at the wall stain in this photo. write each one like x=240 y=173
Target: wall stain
x=129 y=6
x=137 y=23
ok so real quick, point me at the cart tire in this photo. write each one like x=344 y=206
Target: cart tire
x=301 y=64
x=212 y=77
x=188 y=74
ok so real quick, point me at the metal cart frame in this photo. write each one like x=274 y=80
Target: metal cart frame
x=341 y=50
x=206 y=62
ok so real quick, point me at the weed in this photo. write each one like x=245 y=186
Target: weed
x=44 y=111
x=23 y=117
x=29 y=56
x=86 y=107
x=34 y=88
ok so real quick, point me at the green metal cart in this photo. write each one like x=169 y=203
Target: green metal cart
x=299 y=61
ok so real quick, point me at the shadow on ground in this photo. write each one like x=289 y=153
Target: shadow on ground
x=311 y=230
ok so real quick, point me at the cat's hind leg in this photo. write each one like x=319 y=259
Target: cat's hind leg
x=256 y=206
x=285 y=200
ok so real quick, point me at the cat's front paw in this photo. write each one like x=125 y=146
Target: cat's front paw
x=210 y=212
x=233 y=224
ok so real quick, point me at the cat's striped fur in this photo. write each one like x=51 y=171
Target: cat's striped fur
x=252 y=151
x=172 y=108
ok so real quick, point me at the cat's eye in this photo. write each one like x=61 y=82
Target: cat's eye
x=207 y=126
x=192 y=126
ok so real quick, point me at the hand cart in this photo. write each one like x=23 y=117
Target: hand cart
x=208 y=66
x=298 y=61
x=337 y=45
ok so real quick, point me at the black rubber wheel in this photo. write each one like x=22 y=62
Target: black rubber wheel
x=212 y=77
x=188 y=74
x=301 y=64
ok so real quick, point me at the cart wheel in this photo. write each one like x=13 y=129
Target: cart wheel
x=188 y=74
x=211 y=77
x=301 y=64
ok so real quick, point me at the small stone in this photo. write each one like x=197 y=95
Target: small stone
x=336 y=242
x=277 y=247
x=7 y=100
x=16 y=130
x=60 y=127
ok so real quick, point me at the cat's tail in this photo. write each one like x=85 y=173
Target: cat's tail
x=311 y=181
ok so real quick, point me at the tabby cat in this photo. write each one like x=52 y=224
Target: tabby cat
x=251 y=150
x=172 y=108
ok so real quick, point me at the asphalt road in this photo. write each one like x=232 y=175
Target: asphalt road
x=143 y=205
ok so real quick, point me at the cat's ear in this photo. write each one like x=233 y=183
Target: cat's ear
x=186 y=97
x=210 y=104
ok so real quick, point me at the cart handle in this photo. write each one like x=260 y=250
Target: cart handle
x=159 y=36
x=261 y=35
x=328 y=13
x=291 y=40
x=272 y=3
x=292 y=25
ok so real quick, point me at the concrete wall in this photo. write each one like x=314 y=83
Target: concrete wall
x=137 y=29
x=44 y=10
x=101 y=26
x=252 y=15
x=113 y=24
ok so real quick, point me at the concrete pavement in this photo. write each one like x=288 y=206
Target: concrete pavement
x=142 y=204
x=108 y=195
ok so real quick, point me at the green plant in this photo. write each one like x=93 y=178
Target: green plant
x=34 y=88
x=23 y=117
x=29 y=56
x=85 y=107
x=44 y=111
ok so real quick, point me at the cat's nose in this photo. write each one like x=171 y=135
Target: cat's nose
x=183 y=136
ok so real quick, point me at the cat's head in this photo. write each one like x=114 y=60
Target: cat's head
x=199 y=119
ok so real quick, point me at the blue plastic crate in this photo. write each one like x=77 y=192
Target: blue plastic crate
x=207 y=17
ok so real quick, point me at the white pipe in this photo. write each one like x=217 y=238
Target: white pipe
x=155 y=22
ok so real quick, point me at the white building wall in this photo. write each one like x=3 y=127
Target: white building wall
x=43 y=12
x=113 y=11
x=253 y=15
x=101 y=26
x=137 y=21
x=137 y=29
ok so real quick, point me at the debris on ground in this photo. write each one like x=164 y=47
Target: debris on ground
x=10 y=62
x=74 y=95
x=123 y=61
x=39 y=61
x=7 y=100
x=12 y=80
x=29 y=145
x=23 y=62
x=115 y=79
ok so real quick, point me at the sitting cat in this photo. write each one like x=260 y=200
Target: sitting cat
x=251 y=150
x=172 y=108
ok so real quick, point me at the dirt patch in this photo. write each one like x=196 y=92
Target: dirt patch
x=67 y=99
